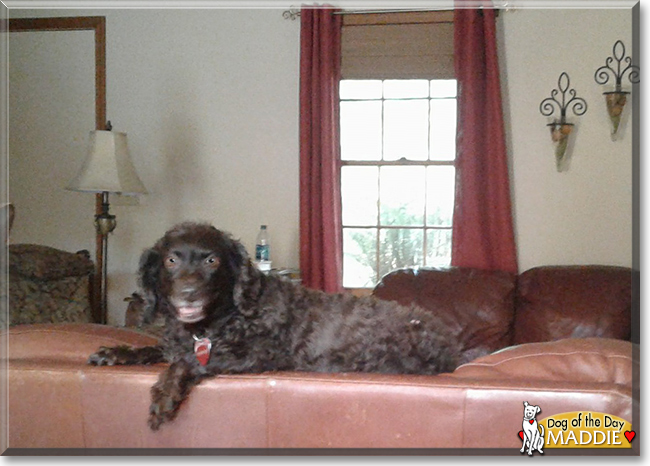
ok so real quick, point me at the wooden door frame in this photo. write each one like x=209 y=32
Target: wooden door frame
x=98 y=25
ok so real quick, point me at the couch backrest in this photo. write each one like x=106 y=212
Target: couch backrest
x=555 y=302
x=476 y=306
x=489 y=310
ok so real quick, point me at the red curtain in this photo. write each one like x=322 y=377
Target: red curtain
x=320 y=192
x=483 y=234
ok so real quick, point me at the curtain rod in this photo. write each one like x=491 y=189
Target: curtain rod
x=293 y=13
x=409 y=10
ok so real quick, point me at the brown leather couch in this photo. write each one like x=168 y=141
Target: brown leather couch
x=57 y=401
x=487 y=310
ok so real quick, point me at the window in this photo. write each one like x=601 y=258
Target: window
x=397 y=175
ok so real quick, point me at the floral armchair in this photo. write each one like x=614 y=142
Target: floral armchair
x=45 y=284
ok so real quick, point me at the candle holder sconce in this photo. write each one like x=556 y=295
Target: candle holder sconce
x=617 y=98
x=561 y=129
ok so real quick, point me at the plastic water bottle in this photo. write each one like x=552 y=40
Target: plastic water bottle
x=262 y=247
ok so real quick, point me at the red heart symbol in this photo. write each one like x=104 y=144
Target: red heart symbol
x=202 y=350
x=521 y=434
x=629 y=435
x=531 y=421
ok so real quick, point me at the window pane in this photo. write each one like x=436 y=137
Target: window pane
x=443 y=129
x=443 y=88
x=399 y=247
x=438 y=248
x=391 y=120
x=402 y=196
x=440 y=195
x=361 y=130
x=405 y=88
x=360 y=89
x=359 y=191
x=359 y=257
x=406 y=129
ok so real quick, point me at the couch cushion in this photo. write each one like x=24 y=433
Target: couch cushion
x=563 y=376
x=477 y=306
x=601 y=360
x=556 y=302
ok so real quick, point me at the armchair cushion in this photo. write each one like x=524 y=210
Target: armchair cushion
x=46 y=263
x=47 y=285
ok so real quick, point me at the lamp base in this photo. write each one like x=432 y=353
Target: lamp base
x=105 y=223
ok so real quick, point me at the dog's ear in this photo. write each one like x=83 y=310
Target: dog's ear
x=538 y=409
x=526 y=404
x=248 y=280
x=149 y=278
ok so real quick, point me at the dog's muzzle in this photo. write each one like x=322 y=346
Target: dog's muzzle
x=189 y=303
x=189 y=308
x=189 y=313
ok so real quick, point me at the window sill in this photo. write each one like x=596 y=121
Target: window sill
x=359 y=291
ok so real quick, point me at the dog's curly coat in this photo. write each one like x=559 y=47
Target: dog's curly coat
x=207 y=287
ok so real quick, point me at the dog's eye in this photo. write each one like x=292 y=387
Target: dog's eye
x=212 y=261
x=170 y=261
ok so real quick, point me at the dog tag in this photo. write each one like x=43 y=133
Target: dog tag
x=202 y=348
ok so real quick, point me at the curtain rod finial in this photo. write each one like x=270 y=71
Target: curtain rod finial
x=292 y=13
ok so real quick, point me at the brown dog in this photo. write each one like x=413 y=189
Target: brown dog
x=224 y=316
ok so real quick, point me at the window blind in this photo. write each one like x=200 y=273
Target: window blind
x=412 y=45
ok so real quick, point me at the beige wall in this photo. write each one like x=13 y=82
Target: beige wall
x=209 y=99
x=582 y=215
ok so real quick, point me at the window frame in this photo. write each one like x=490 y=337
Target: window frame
x=403 y=162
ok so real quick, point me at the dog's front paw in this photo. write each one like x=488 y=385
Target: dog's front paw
x=162 y=409
x=103 y=357
x=155 y=417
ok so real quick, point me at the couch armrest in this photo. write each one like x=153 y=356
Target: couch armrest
x=67 y=342
x=478 y=406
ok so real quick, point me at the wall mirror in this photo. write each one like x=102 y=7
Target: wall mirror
x=49 y=123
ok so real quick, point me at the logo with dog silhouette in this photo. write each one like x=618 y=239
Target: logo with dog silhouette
x=532 y=434
x=577 y=429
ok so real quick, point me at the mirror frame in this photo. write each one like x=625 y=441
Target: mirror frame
x=98 y=25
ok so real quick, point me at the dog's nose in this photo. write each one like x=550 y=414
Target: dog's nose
x=185 y=290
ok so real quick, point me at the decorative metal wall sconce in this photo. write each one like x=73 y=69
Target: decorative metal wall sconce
x=617 y=98
x=561 y=129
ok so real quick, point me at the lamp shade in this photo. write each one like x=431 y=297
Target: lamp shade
x=108 y=166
